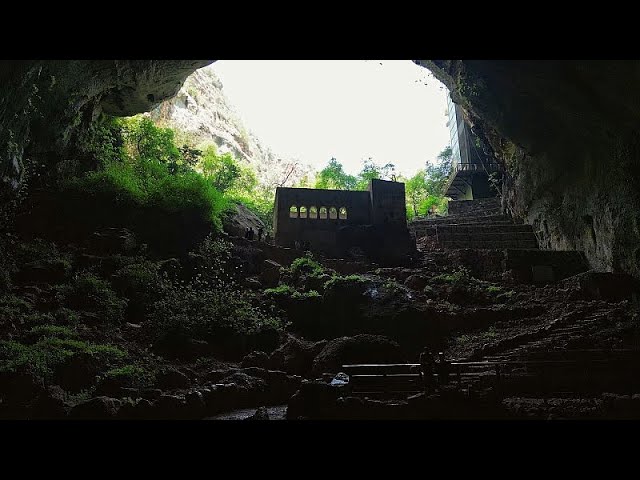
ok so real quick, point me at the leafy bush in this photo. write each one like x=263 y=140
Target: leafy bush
x=280 y=290
x=148 y=185
x=505 y=296
x=130 y=375
x=55 y=331
x=39 y=250
x=13 y=308
x=309 y=294
x=102 y=142
x=126 y=371
x=215 y=254
x=461 y=276
x=392 y=287
x=200 y=309
x=66 y=316
x=42 y=357
x=93 y=296
x=138 y=281
x=338 y=282
x=145 y=184
x=305 y=266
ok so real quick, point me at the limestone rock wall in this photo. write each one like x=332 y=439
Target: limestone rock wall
x=202 y=109
x=44 y=103
x=567 y=134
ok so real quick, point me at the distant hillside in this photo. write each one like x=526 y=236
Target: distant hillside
x=202 y=110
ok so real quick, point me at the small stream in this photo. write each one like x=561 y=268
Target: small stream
x=276 y=412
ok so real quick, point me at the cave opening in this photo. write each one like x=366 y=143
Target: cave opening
x=138 y=279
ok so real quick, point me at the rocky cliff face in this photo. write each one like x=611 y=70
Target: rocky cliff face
x=202 y=110
x=44 y=103
x=566 y=130
x=567 y=133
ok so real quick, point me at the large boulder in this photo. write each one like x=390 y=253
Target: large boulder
x=359 y=349
x=608 y=286
x=295 y=356
x=50 y=404
x=78 y=372
x=172 y=379
x=236 y=223
x=255 y=359
x=179 y=345
x=20 y=387
x=270 y=274
x=416 y=282
x=243 y=380
x=96 y=408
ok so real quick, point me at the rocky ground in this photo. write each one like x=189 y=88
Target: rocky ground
x=80 y=339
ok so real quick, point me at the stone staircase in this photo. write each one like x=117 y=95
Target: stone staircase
x=475 y=224
x=497 y=241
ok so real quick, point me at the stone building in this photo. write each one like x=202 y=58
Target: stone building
x=335 y=222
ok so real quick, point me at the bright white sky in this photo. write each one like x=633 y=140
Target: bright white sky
x=391 y=110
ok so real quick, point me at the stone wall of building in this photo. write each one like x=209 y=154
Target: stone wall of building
x=336 y=221
x=388 y=203
x=314 y=216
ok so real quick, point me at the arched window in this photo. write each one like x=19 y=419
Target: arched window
x=342 y=213
x=313 y=212
x=293 y=211
x=303 y=212
x=333 y=213
x=323 y=213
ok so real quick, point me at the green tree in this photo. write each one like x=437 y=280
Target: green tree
x=334 y=177
x=438 y=174
x=416 y=192
x=190 y=156
x=144 y=140
x=221 y=170
x=424 y=191
x=245 y=182
x=370 y=170
x=305 y=182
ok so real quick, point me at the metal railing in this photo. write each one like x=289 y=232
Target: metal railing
x=474 y=167
x=618 y=359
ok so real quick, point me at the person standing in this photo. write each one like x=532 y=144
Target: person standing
x=443 y=370
x=426 y=370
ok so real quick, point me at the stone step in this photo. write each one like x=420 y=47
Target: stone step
x=476 y=206
x=461 y=219
x=429 y=228
x=487 y=240
x=466 y=230
x=490 y=245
